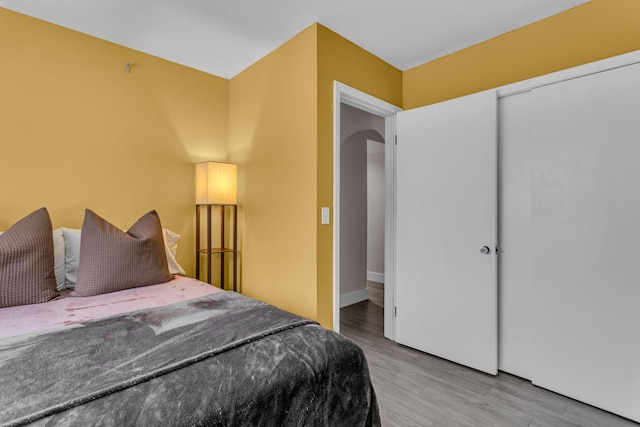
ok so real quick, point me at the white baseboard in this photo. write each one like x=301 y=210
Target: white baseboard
x=354 y=297
x=375 y=277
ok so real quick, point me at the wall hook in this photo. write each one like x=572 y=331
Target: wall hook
x=127 y=67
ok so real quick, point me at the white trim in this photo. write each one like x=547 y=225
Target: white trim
x=336 y=206
x=390 y=226
x=570 y=73
x=375 y=277
x=364 y=101
x=355 y=98
x=354 y=297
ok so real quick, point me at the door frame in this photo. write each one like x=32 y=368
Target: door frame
x=363 y=101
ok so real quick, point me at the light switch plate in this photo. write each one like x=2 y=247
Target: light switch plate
x=326 y=219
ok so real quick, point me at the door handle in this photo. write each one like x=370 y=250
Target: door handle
x=485 y=250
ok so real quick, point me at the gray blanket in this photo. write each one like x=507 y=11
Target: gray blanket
x=219 y=360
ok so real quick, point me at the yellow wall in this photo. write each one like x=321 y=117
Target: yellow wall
x=590 y=32
x=272 y=138
x=281 y=135
x=78 y=132
x=341 y=60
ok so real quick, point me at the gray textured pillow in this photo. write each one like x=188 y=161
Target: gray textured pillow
x=26 y=261
x=112 y=260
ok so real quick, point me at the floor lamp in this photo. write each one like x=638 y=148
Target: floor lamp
x=216 y=185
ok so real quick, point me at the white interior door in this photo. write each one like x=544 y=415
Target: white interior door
x=446 y=289
x=586 y=239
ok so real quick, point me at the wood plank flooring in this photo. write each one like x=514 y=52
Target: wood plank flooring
x=417 y=389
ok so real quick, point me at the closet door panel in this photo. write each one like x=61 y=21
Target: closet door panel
x=586 y=239
x=514 y=230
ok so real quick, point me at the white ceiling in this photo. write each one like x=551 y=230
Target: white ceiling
x=223 y=37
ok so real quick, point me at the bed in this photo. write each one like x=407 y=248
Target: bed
x=174 y=353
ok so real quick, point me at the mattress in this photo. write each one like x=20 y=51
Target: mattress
x=181 y=353
x=69 y=311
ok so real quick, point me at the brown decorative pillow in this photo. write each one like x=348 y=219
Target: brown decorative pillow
x=26 y=261
x=112 y=260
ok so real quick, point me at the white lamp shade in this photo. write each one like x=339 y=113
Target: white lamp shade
x=216 y=183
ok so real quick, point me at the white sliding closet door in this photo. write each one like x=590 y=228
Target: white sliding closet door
x=446 y=292
x=586 y=239
x=514 y=230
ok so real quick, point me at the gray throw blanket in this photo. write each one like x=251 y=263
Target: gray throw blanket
x=219 y=360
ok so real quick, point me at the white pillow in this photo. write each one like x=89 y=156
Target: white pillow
x=171 y=247
x=58 y=258
x=72 y=238
x=71 y=256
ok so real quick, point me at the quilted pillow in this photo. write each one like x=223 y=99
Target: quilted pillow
x=71 y=252
x=27 y=261
x=59 y=260
x=112 y=260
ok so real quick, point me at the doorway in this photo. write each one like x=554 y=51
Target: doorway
x=361 y=203
x=347 y=97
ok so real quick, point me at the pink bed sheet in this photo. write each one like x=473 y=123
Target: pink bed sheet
x=73 y=310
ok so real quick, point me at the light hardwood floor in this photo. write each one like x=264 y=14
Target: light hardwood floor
x=417 y=389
